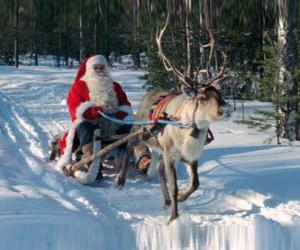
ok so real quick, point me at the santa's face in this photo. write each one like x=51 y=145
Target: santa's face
x=101 y=88
x=99 y=69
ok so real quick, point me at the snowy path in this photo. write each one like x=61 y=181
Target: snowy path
x=248 y=198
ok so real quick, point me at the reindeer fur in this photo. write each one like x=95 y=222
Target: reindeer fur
x=175 y=144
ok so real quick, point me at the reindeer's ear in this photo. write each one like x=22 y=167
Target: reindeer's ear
x=217 y=85
x=189 y=92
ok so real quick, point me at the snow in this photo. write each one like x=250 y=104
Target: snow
x=248 y=196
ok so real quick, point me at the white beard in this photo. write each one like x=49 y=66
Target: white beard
x=101 y=92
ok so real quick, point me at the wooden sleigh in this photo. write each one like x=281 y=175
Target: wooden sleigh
x=107 y=157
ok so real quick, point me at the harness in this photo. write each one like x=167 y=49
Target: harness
x=158 y=117
x=157 y=112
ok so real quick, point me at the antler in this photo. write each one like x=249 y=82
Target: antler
x=194 y=79
x=220 y=76
x=212 y=45
x=167 y=64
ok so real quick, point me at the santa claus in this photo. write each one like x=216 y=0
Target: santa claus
x=92 y=91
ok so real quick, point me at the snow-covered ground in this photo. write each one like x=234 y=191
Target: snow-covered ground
x=249 y=195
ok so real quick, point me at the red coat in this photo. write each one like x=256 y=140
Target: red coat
x=79 y=103
x=79 y=94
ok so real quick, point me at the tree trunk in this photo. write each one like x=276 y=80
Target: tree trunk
x=16 y=43
x=58 y=48
x=106 y=30
x=136 y=45
x=96 y=27
x=81 y=49
x=287 y=39
x=36 y=62
x=66 y=33
x=297 y=112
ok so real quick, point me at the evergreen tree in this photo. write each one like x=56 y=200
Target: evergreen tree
x=270 y=91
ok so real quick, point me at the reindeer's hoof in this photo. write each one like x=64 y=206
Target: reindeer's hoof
x=120 y=181
x=172 y=218
x=181 y=198
x=183 y=195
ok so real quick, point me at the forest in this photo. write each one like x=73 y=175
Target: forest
x=258 y=37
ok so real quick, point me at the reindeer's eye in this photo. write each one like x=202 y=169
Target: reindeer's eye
x=203 y=98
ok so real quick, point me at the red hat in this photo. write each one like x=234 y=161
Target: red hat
x=97 y=59
x=88 y=62
x=81 y=70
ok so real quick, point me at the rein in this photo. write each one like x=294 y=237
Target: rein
x=156 y=117
x=147 y=122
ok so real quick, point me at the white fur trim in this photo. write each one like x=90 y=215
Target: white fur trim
x=126 y=108
x=97 y=59
x=66 y=157
x=82 y=108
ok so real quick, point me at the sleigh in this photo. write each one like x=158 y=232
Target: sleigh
x=108 y=157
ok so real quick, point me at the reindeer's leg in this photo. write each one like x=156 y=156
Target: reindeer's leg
x=121 y=177
x=163 y=182
x=172 y=183
x=194 y=182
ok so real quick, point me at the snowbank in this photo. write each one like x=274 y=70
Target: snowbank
x=248 y=196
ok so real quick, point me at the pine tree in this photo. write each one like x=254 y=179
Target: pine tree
x=270 y=91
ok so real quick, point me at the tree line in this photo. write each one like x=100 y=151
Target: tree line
x=259 y=38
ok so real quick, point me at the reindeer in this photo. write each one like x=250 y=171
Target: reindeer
x=199 y=104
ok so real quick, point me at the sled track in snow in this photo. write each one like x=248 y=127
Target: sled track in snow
x=236 y=207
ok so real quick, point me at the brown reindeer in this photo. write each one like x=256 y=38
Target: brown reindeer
x=199 y=104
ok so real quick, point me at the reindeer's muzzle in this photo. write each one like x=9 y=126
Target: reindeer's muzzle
x=225 y=111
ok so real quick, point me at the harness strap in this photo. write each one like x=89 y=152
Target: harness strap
x=158 y=109
x=146 y=122
x=194 y=115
